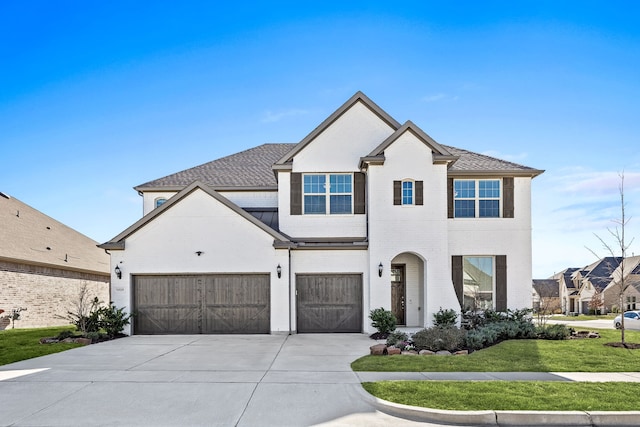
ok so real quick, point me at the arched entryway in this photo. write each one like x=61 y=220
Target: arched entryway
x=407 y=289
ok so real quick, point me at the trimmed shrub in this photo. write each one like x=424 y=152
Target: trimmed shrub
x=383 y=320
x=554 y=332
x=439 y=338
x=445 y=317
x=475 y=340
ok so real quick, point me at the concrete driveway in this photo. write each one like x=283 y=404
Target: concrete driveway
x=194 y=380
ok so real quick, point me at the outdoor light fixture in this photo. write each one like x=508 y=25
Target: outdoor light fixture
x=279 y=271
x=118 y=272
x=380 y=270
x=199 y=253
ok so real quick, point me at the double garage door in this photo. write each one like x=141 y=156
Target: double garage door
x=202 y=304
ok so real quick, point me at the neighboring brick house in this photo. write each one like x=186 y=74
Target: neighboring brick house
x=546 y=295
x=43 y=266
x=364 y=212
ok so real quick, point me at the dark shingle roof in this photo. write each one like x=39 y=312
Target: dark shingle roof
x=247 y=169
x=252 y=168
x=547 y=288
x=474 y=162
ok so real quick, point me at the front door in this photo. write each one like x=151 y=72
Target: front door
x=398 y=292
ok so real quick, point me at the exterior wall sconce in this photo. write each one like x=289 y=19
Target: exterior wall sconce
x=118 y=272
x=279 y=271
x=199 y=253
x=380 y=270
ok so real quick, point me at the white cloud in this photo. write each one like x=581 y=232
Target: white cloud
x=440 y=97
x=275 y=116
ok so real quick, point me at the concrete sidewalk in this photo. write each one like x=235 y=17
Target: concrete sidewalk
x=249 y=380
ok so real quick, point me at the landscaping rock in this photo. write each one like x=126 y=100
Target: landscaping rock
x=443 y=353
x=378 y=349
x=593 y=335
x=461 y=353
x=393 y=350
x=83 y=341
x=410 y=353
x=426 y=353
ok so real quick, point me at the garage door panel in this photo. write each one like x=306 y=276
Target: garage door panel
x=202 y=304
x=329 y=303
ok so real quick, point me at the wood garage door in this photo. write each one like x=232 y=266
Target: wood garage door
x=329 y=302
x=202 y=304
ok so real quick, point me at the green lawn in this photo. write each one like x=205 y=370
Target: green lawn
x=583 y=317
x=21 y=344
x=585 y=355
x=509 y=395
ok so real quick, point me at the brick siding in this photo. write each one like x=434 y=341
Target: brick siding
x=47 y=293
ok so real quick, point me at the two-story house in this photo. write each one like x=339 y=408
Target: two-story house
x=364 y=212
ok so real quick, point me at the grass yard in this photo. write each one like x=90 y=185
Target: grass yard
x=584 y=355
x=509 y=395
x=583 y=317
x=21 y=344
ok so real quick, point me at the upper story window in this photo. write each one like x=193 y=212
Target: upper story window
x=328 y=193
x=160 y=201
x=407 y=192
x=476 y=198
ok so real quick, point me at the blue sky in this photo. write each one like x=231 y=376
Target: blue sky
x=97 y=97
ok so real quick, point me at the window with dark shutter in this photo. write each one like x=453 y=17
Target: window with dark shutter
x=296 y=194
x=450 y=198
x=507 y=201
x=501 y=283
x=419 y=196
x=457 y=277
x=397 y=192
x=359 y=196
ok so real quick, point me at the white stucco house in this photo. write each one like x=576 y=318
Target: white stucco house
x=364 y=212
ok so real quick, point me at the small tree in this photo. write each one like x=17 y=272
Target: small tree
x=596 y=303
x=618 y=252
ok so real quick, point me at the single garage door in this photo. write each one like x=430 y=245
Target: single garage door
x=202 y=304
x=329 y=302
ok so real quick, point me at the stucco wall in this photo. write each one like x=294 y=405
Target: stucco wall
x=229 y=244
x=47 y=293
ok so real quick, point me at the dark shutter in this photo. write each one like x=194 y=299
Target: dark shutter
x=507 y=198
x=397 y=192
x=296 y=193
x=419 y=197
x=450 y=198
x=501 y=283
x=359 y=199
x=457 y=277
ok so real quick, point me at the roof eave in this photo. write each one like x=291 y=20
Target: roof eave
x=532 y=173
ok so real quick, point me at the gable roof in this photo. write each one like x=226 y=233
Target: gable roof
x=547 y=288
x=248 y=169
x=118 y=242
x=28 y=236
x=358 y=97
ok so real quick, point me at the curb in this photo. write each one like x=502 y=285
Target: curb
x=506 y=418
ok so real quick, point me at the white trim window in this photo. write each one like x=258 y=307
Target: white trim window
x=408 y=192
x=477 y=198
x=159 y=201
x=479 y=282
x=327 y=194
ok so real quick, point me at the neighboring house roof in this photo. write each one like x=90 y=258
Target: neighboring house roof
x=28 y=236
x=118 y=242
x=600 y=273
x=249 y=169
x=547 y=288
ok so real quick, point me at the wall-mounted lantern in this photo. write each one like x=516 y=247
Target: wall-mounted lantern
x=380 y=270
x=118 y=272
x=279 y=271
x=199 y=253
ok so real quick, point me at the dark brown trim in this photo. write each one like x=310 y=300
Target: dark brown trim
x=449 y=197
x=501 y=283
x=359 y=196
x=457 y=277
x=507 y=198
x=419 y=197
x=397 y=192
x=296 y=193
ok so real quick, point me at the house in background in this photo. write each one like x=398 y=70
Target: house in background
x=630 y=270
x=364 y=212
x=43 y=266
x=546 y=295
